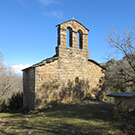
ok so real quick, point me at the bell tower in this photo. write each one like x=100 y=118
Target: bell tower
x=78 y=38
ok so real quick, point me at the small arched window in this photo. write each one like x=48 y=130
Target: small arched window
x=79 y=39
x=76 y=80
x=69 y=37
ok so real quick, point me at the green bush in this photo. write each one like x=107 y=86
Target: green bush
x=13 y=103
x=16 y=101
x=109 y=99
x=3 y=105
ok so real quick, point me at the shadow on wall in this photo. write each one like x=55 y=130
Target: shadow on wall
x=55 y=92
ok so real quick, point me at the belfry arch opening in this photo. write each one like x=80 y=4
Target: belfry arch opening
x=69 y=36
x=79 y=39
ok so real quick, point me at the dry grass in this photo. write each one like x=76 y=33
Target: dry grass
x=72 y=118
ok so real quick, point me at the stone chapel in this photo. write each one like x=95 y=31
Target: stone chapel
x=68 y=75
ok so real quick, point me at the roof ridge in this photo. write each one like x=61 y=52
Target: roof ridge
x=73 y=20
x=43 y=62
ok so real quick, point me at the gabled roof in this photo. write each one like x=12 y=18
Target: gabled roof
x=75 y=21
x=44 y=62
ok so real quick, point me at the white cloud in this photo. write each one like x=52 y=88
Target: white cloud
x=48 y=2
x=57 y=14
x=17 y=68
x=43 y=4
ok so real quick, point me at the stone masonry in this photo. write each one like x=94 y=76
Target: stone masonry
x=68 y=75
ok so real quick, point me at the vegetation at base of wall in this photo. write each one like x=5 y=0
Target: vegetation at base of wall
x=109 y=99
x=12 y=104
x=69 y=118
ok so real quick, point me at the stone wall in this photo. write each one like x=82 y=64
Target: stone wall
x=56 y=80
x=29 y=88
x=45 y=76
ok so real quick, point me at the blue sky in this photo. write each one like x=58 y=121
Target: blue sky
x=28 y=33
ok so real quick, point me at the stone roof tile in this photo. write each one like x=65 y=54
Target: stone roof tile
x=45 y=61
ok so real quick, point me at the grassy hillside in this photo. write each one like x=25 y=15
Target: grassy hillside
x=72 y=118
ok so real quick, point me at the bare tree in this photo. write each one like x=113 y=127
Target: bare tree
x=121 y=74
x=9 y=81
